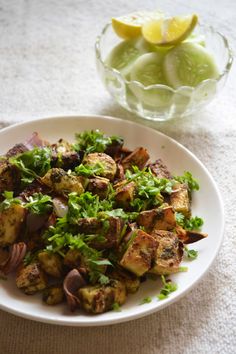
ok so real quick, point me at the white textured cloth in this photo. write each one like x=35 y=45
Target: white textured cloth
x=47 y=67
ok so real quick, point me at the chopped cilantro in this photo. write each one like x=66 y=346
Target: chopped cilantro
x=39 y=203
x=88 y=171
x=188 y=178
x=32 y=164
x=193 y=223
x=146 y=300
x=192 y=254
x=183 y=269
x=116 y=307
x=94 y=141
x=148 y=188
x=8 y=201
x=168 y=287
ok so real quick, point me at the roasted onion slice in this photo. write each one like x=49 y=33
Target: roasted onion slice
x=72 y=282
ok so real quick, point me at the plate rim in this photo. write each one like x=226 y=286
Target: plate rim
x=168 y=301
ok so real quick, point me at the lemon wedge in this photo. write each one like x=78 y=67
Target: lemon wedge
x=169 y=31
x=130 y=26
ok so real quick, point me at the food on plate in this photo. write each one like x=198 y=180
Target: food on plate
x=86 y=222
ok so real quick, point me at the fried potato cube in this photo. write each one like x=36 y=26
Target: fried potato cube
x=132 y=283
x=108 y=165
x=100 y=298
x=125 y=194
x=11 y=221
x=31 y=279
x=159 y=169
x=53 y=295
x=51 y=263
x=157 y=219
x=140 y=253
x=139 y=157
x=99 y=186
x=169 y=253
x=179 y=199
x=62 y=182
x=9 y=176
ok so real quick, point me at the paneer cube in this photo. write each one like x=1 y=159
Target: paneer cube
x=51 y=263
x=62 y=182
x=125 y=193
x=159 y=169
x=100 y=298
x=169 y=253
x=131 y=281
x=108 y=165
x=179 y=199
x=31 y=279
x=140 y=253
x=157 y=219
x=11 y=221
x=139 y=157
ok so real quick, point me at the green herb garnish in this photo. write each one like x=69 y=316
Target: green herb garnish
x=168 y=287
x=94 y=141
x=193 y=223
x=39 y=203
x=189 y=180
x=32 y=164
x=146 y=300
x=192 y=254
x=88 y=171
x=116 y=307
x=8 y=201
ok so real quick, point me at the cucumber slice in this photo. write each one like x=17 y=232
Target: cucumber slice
x=148 y=70
x=188 y=64
x=123 y=55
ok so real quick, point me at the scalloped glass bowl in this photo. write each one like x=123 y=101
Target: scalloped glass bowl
x=161 y=102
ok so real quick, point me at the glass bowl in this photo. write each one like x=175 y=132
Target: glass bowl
x=161 y=102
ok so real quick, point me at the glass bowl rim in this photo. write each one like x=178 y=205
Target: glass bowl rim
x=160 y=86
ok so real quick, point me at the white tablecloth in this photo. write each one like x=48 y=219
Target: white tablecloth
x=47 y=68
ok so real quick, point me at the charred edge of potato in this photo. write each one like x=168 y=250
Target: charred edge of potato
x=159 y=169
x=169 y=253
x=100 y=298
x=157 y=219
x=53 y=295
x=140 y=254
x=187 y=236
x=31 y=279
x=98 y=186
x=125 y=194
x=9 y=177
x=139 y=157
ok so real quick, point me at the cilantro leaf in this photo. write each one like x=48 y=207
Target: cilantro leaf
x=39 y=203
x=94 y=141
x=189 y=180
x=192 y=254
x=146 y=300
x=32 y=164
x=168 y=287
x=88 y=171
x=8 y=201
x=116 y=307
x=193 y=223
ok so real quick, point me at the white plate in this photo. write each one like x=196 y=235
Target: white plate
x=207 y=203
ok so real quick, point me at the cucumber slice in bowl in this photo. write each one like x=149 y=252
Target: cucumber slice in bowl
x=146 y=71
x=125 y=53
x=188 y=64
